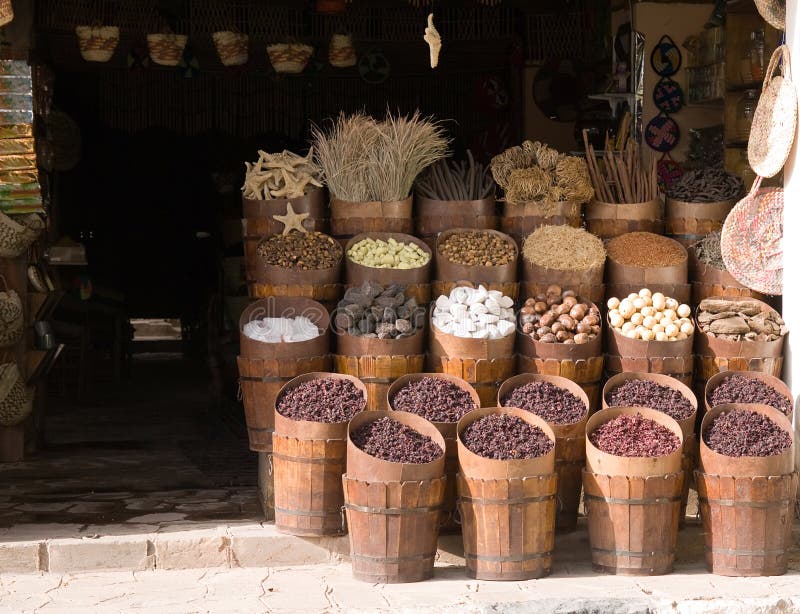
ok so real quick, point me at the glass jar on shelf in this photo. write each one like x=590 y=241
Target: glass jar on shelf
x=742 y=168
x=753 y=62
x=745 y=109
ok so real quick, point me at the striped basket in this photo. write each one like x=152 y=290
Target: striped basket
x=290 y=58
x=342 y=53
x=97 y=43
x=166 y=49
x=232 y=47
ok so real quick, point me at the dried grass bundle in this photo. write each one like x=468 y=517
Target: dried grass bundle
x=526 y=184
x=523 y=156
x=546 y=157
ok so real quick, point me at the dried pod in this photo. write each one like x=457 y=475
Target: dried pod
x=570 y=300
x=557 y=327
x=547 y=319
x=540 y=306
x=548 y=338
x=544 y=330
x=563 y=335
x=581 y=338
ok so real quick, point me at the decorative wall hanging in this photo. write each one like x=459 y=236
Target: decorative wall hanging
x=289 y=58
x=166 y=49
x=232 y=47
x=374 y=67
x=668 y=96
x=662 y=132
x=341 y=51
x=668 y=171
x=97 y=43
x=666 y=57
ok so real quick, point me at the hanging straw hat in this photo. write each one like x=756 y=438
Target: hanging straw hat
x=773 y=12
x=751 y=240
x=775 y=119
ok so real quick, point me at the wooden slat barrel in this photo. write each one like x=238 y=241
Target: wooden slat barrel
x=570 y=447
x=349 y=219
x=689 y=222
x=747 y=504
x=770 y=380
x=609 y=220
x=393 y=509
x=521 y=219
x=435 y=216
x=587 y=283
x=672 y=281
x=708 y=281
x=308 y=461
x=508 y=508
x=673 y=358
x=633 y=504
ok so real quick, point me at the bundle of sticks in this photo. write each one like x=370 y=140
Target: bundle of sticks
x=620 y=176
x=450 y=180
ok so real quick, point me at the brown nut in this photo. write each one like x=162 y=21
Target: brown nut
x=530 y=302
x=547 y=319
x=594 y=310
x=541 y=297
x=563 y=335
x=567 y=293
x=581 y=338
x=540 y=307
x=527 y=310
x=557 y=327
x=583 y=327
x=578 y=312
x=569 y=341
x=561 y=309
x=543 y=330
x=554 y=289
x=596 y=329
x=568 y=322
x=592 y=320
x=553 y=300
x=570 y=300
x=528 y=328
x=527 y=319
x=548 y=338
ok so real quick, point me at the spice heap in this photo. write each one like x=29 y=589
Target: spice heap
x=277 y=330
x=300 y=250
x=706 y=185
x=746 y=433
x=709 y=250
x=327 y=399
x=391 y=254
x=564 y=248
x=739 y=320
x=534 y=172
x=549 y=402
x=450 y=180
x=650 y=317
x=646 y=393
x=376 y=312
x=559 y=317
x=395 y=442
x=645 y=249
x=281 y=175
x=740 y=389
x=475 y=313
x=634 y=435
x=477 y=249
x=435 y=399
x=504 y=437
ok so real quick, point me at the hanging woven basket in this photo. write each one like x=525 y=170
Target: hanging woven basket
x=166 y=49
x=16 y=399
x=6 y=12
x=289 y=58
x=17 y=232
x=773 y=12
x=232 y=47
x=341 y=52
x=97 y=43
x=12 y=316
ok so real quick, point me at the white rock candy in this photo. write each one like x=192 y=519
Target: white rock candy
x=459 y=311
x=479 y=308
x=506 y=302
x=475 y=313
x=443 y=302
x=505 y=327
x=277 y=330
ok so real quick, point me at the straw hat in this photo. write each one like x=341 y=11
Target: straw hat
x=773 y=12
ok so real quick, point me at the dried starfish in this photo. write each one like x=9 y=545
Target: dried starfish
x=291 y=221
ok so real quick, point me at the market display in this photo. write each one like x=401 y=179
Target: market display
x=476 y=248
x=449 y=180
x=619 y=175
x=744 y=320
x=635 y=436
x=646 y=393
x=564 y=248
x=435 y=399
x=645 y=249
x=300 y=250
x=740 y=389
x=391 y=254
x=746 y=433
x=281 y=175
x=706 y=185
x=650 y=316
x=551 y=403
x=277 y=330
x=559 y=317
x=504 y=437
x=392 y=441
x=475 y=313
x=329 y=399
x=376 y=312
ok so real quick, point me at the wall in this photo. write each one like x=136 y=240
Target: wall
x=537 y=126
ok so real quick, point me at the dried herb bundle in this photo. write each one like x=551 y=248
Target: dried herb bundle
x=709 y=250
x=450 y=180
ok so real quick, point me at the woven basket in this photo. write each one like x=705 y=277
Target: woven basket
x=773 y=12
x=341 y=52
x=18 y=232
x=775 y=119
x=166 y=49
x=12 y=316
x=97 y=43
x=6 y=12
x=751 y=240
x=16 y=400
x=290 y=58
x=232 y=47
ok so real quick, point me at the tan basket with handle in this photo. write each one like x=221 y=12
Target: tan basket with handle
x=232 y=47
x=16 y=400
x=18 y=232
x=773 y=12
x=289 y=58
x=12 y=316
x=97 y=43
x=6 y=12
x=166 y=49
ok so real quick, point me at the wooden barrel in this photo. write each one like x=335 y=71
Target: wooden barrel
x=747 y=504
x=448 y=431
x=708 y=281
x=689 y=222
x=508 y=507
x=483 y=363
x=521 y=219
x=308 y=460
x=689 y=454
x=415 y=281
x=609 y=220
x=321 y=285
x=672 y=281
x=633 y=503
x=350 y=219
x=570 y=447
x=582 y=364
x=770 y=380
x=258 y=221
x=587 y=283
x=435 y=216
x=393 y=509
x=265 y=367
x=673 y=358
x=379 y=362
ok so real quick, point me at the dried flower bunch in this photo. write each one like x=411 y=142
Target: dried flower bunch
x=535 y=172
x=281 y=175
x=366 y=160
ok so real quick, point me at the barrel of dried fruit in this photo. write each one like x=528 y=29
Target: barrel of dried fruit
x=291 y=281
x=770 y=381
x=632 y=503
x=715 y=353
x=308 y=460
x=507 y=507
x=265 y=367
x=497 y=275
x=520 y=219
x=709 y=281
x=349 y=219
x=448 y=431
x=435 y=216
x=673 y=358
x=608 y=220
x=393 y=509
x=689 y=222
x=570 y=446
x=747 y=503
x=258 y=220
x=416 y=281
x=687 y=424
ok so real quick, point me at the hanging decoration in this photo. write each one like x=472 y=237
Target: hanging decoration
x=666 y=57
x=434 y=41
x=374 y=67
x=668 y=96
x=138 y=58
x=189 y=66
x=662 y=132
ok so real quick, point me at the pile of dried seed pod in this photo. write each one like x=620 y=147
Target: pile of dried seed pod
x=743 y=432
x=707 y=185
x=559 y=317
x=373 y=311
x=650 y=317
x=564 y=248
x=300 y=250
x=391 y=254
x=742 y=389
x=645 y=249
x=433 y=398
x=478 y=249
x=739 y=320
